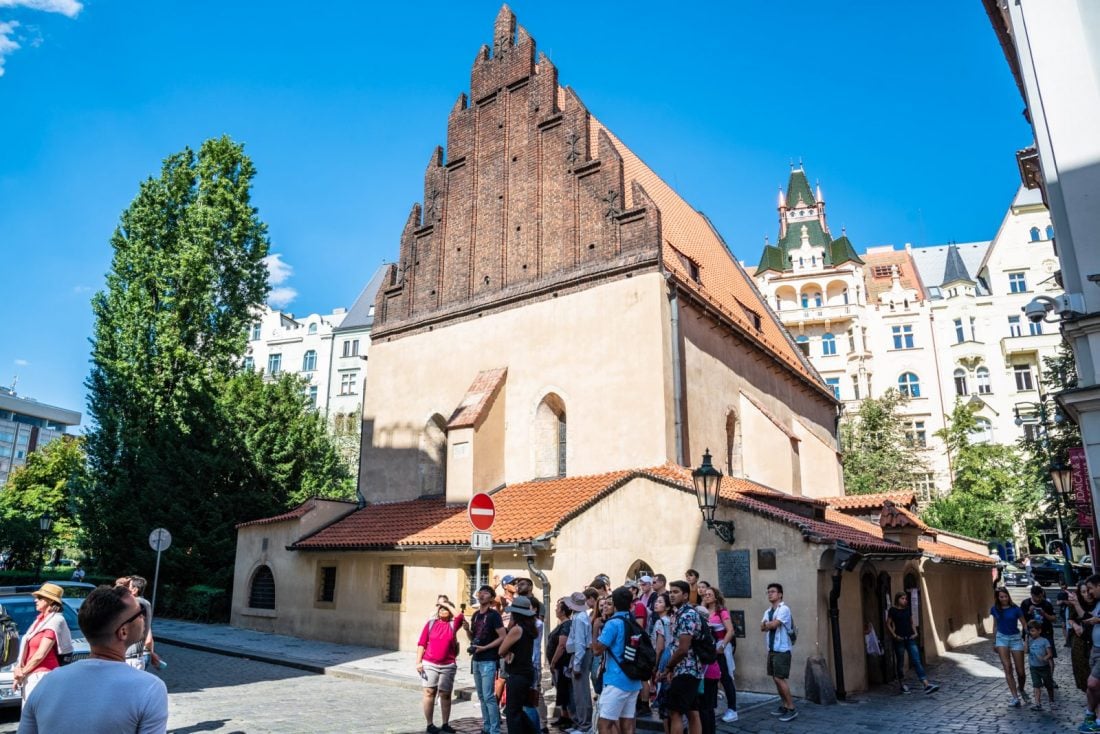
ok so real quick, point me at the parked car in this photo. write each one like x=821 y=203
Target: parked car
x=1049 y=570
x=1013 y=575
x=20 y=606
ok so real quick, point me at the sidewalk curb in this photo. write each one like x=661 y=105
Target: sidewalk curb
x=338 y=671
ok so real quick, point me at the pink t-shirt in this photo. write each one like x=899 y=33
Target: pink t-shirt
x=437 y=639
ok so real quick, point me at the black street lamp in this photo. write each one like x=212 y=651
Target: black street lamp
x=44 y=524
x=707 y=481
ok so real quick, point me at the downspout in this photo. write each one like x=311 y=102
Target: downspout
x=677 y=375
x=537 y=573
x=834 y=626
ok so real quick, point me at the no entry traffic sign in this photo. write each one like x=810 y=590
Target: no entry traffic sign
x=482 y=511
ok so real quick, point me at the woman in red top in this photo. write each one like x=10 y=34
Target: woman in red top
x=40 y=644
x=435 y=661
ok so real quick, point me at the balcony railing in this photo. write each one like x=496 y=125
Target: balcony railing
x=816 y=314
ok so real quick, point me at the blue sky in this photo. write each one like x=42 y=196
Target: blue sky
x=907 y=114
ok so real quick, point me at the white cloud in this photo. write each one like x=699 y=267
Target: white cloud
x=8 y=44
x=22 y=363
x=82 y=289
x=278 y=272
x=68 y=8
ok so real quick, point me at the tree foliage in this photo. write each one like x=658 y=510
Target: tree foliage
x=993 y=486
x=171 y=446
x=47 y=483
x=878 y=457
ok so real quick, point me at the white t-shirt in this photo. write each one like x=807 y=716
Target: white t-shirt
x=101 y=696
x=782 y=636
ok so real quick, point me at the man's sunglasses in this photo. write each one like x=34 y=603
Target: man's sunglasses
x=131 y=619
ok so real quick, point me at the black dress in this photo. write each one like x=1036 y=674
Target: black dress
x=521 y=679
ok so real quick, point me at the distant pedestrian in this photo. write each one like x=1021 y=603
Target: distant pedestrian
x=78 y=573
x=102 y=693
x=1080 y=636
x=1027 y=570
x=436 y=652
x=692 y=578
x=486 y=634
x=725 y=641
x=899 y=623
x=620 y=692
x=1009 y=644
x=683 y=672
x=141 y=654
x=1039 y=609
x=45 y=641
x=1092 y=690
x=516 y=652
x=776 y=626
x=559 y=665
x=577 y=645
x=1040 y=656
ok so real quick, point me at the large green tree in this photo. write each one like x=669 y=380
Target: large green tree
x=878 y=454
x=170 y=445
x=48 y=483
x=993 y=486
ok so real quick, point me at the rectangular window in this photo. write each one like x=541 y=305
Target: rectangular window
x=473 y=583
x=834 y=383
x=1017 y=283
x=915 y=434
x=880 y=271
x=311 y=395
x=855 y=387
x=1022 y=372
x=903 y=336
x=256 y=332
x=973 y=329
x=249 y=364
x=274 y=364
x=960 y=337
x=1032 y=431
x=326 y=584
x=851 y=340
x=351 y=347
x=924 y=485
x=348 y=381
x=1014 y=326
x=395 y=583
x=1035 y=327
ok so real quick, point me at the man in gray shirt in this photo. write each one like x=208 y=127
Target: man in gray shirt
x=577 y=644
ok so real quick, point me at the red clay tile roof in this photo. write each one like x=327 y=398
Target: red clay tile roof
x=294 y=514
x=723 y=283
x=478 y=398
x=908 y=274
x=932 y=547
x=870 y=501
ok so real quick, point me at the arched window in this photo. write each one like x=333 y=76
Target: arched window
x=961 y=387
x=261 y=592
x=733 y=446
x=550 y=437
x=432 y=457
x=309 y=361
x=984 y=387
x=1050 y=232
x=982 y=432
x=313 y=328
x=818 y=300
x=803 y=343
x=844 y=293
x=909 y=385
x=1035 y=234
x=805 y=300
x=828 y=344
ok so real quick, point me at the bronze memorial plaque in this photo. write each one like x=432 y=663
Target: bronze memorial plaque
x=734 y=578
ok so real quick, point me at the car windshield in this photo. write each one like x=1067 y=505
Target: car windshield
x=23 y=613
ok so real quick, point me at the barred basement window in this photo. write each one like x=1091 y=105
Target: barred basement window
x=261 y=593
x=326 y=584
x=395 y=585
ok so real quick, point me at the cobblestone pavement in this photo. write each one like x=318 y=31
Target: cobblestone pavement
x=231 y=695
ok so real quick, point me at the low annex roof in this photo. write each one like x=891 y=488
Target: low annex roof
x=870 y=501
x=529 y=510
x=293 y=514
x=931 y=547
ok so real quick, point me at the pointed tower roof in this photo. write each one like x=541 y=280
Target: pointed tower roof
x=798 y=188
x=955 y=271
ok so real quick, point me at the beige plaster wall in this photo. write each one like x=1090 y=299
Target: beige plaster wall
x=489 y=448
x=956 y=605
x=818 y=455
x=718 y=367
x=599 y=347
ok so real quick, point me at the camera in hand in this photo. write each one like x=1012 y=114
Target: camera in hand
x=471 y=650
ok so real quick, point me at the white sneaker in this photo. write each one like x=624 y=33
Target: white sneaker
x=729 y=716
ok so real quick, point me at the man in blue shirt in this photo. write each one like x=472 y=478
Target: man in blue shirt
x=620 y=693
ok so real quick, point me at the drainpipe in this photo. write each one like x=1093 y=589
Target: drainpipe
x=677 y=376
x=537 y=573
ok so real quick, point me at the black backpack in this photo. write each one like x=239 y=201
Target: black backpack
x=9 y=639
x=639 y=661
x=702 y=644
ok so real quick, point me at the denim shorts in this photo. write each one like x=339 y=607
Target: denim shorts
x=1013 y=642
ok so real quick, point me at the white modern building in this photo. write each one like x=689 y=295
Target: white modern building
x=27 y=425
x=940 y=323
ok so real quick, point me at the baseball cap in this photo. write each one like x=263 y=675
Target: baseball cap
x=646 y=579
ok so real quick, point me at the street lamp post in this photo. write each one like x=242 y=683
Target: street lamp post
x=1060 y=476
x=707 y=481
x=44 y=524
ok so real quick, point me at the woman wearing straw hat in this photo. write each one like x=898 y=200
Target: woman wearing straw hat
x=47 y=638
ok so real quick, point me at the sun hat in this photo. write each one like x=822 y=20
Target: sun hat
x=646 y=580
x=53 y=592
x=521 y=605
x=576 y=601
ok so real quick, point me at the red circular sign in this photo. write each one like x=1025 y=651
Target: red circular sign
x=481 y=511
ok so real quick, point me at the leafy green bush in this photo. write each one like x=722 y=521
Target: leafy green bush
x=199 y=603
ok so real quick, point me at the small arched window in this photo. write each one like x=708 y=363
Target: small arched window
x=962 y=389
x=733 y=445
x=982 y=432
x=261 y=592
x=550 y=437
x=984 y=386
x=313 y=328
x=909 y=385
x=309 y=361
x=1035 y=234
x=1050 y=232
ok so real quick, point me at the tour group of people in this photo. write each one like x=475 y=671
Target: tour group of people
x=113 y=690
x=1029 y=629
x=592 y=635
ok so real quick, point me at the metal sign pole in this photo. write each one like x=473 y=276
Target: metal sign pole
x=156 y=576
x=477 y=577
